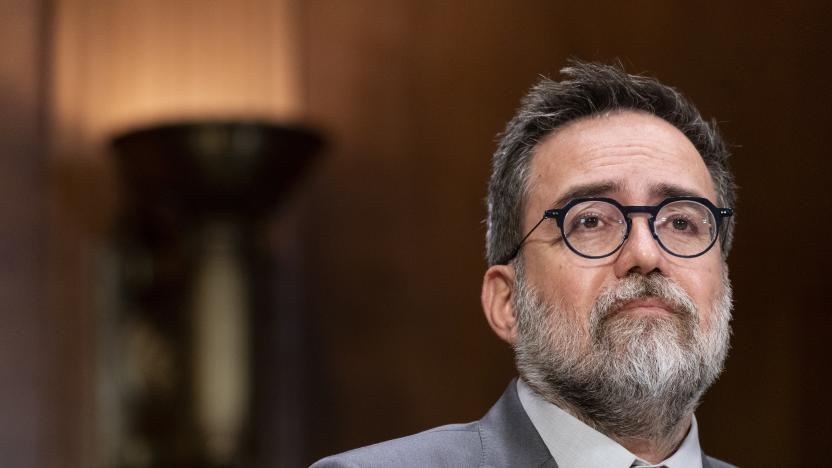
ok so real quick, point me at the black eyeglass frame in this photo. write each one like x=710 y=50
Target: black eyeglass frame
x=559 y=214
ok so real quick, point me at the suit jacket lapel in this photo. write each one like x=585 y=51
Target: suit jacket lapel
x=509 y=437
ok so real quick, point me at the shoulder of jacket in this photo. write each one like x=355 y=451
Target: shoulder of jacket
x=451 y=445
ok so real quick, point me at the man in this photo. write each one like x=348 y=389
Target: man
x=608 y=228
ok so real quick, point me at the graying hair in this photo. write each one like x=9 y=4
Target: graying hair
x=589 y=89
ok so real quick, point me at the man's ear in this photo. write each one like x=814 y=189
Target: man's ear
x=497 y=301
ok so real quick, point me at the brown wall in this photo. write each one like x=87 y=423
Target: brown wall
x=412 y=94
x=24 y=367
x=37 y=369
x=45 y=376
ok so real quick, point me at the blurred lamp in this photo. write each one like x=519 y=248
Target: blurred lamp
x=201 y=99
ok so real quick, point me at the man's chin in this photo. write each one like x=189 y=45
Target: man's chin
x=629 y=331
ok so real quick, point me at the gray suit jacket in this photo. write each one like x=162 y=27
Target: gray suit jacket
x=504 y=437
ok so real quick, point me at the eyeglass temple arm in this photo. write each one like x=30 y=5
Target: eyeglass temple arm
x=546 y=215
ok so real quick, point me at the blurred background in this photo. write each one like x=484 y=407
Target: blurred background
x=249 y=233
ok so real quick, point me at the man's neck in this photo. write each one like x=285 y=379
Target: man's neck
x=654 y=451
x=650 y=449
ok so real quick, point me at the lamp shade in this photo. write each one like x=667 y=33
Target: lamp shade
x=213 y=167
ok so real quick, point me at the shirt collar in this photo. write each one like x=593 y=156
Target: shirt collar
x=573 y=444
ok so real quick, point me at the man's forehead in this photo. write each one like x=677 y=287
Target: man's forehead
x=618 y=154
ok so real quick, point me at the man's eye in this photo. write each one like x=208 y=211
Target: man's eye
x=681 y=224
x=589 y=221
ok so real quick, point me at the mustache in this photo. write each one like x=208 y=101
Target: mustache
x=635 y=287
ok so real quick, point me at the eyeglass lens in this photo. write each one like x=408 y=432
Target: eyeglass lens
x=594 y=228
x=597 y=228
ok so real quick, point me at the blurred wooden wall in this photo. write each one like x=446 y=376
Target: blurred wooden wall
x=22 y=366
x=413 y=93
x=43 y=404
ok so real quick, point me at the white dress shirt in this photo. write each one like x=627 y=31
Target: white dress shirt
x=573 y=444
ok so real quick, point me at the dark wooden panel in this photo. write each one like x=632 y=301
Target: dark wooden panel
x=24 y=359
x=413 y=93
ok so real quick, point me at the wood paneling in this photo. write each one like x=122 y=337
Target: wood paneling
x=31 y=353
x=413 y=94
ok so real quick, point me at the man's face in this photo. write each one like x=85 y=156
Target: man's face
x=629 y=341
x=636 y=159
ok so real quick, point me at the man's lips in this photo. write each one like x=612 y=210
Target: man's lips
x=646 y=305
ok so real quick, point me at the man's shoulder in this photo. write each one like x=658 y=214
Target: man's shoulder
x=505 y=436
x=451 y=445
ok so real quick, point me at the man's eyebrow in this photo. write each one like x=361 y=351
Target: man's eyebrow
x=587 y=190
x=673 y=190
x=659 y=191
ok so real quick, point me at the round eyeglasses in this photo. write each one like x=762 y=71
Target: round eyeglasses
x=685 y=227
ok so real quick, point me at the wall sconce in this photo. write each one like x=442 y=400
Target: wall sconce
x=196 y=195
x=199 y=101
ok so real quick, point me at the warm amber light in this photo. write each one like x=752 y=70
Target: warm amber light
x=127 y=63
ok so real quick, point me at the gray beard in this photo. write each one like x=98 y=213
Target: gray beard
x=628 y=377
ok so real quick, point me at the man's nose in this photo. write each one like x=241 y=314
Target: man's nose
x=641 y=252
